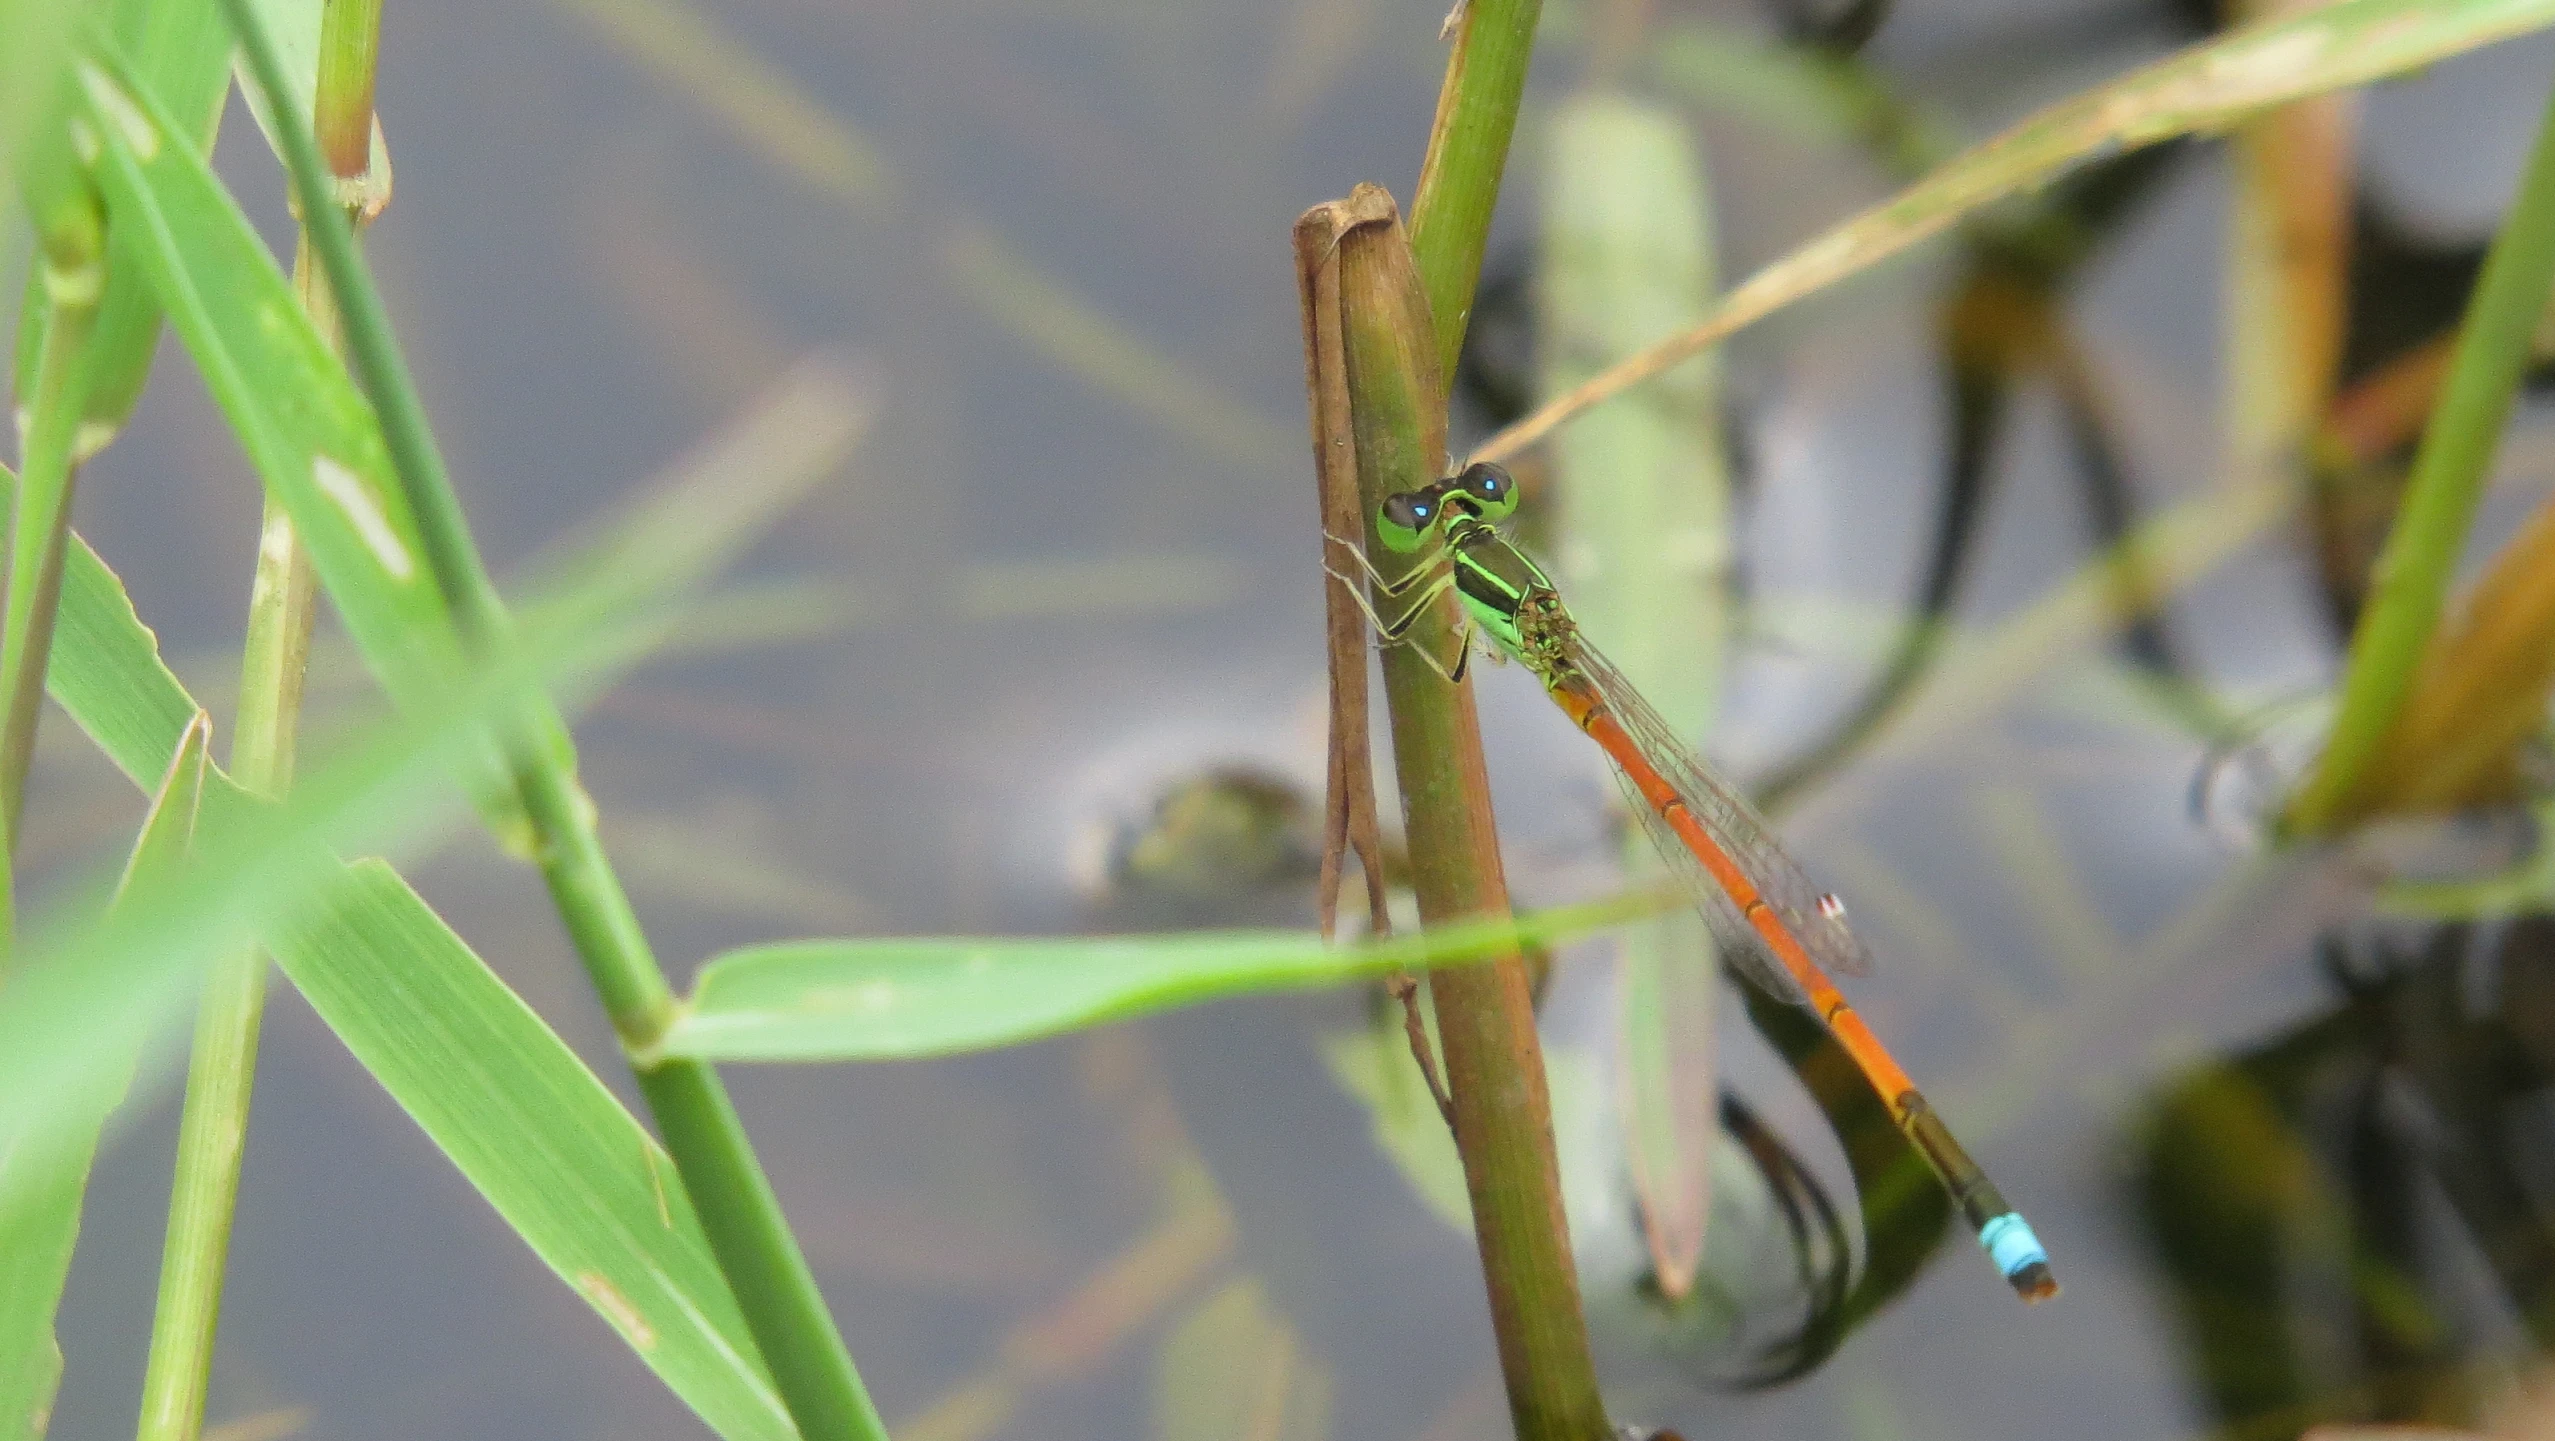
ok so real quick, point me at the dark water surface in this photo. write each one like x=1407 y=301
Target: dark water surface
x=1059 y=598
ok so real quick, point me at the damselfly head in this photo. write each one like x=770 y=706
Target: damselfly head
x=1405 y=518
x=1491 y=490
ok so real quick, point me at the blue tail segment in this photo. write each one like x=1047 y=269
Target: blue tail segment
x=2011 y=1244
x=2017 y=1252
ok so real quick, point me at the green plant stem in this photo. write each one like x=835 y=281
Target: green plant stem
x=1467 y=155
x=1486 y=1018
x=74 y=274
x=222 y=1066
x=748 y=1235
x=2449 y=475
x=1485 y=1014
x=221 y=1072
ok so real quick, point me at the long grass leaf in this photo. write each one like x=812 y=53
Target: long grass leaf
x=539 y=1135
x=109 y=676
x=896 y=998
x=83 y=991
x=741 y=1214
x=469 y=1039
x=310 y=435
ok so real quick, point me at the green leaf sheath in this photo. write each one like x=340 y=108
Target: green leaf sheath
x=342 y=113
x=2449 y=475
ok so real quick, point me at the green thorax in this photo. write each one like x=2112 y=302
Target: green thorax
x=1509 y=597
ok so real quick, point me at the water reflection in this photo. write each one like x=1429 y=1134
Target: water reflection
x=2353 y=1215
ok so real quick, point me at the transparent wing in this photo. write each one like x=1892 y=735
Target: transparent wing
x=1813 y=915
x=1737 y=941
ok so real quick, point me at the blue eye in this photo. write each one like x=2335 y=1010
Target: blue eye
x=1421 y=511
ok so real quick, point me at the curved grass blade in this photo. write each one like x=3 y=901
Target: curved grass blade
x=2204 y=89
x=2410 y=586
x=43 y=1181
x=899 y=998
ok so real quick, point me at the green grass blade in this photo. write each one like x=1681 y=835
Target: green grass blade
x=312 y=438
x=2449 y=475
x=2206 y=88
x=117 y=980
x=892 y=999
x=540 y=1136
x=740 y=1213
x=382 y=794
x=45 y=1177
x=78 y=995
x=383 y=941
x=107 y=673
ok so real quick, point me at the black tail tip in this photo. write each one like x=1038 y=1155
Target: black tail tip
x=2034 y=1283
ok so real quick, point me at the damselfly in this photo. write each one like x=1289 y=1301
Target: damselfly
x=1772 y=922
